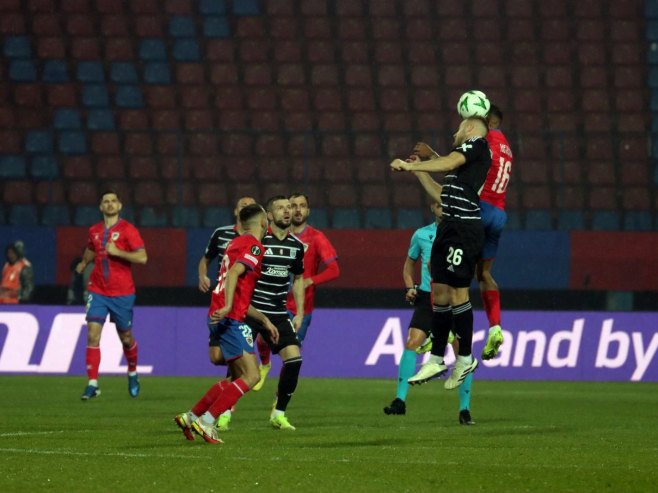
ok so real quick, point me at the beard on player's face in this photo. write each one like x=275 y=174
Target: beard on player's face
x=282 y=222
x=299 y=218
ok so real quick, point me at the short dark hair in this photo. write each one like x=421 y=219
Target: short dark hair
x=250 y=211
x=108 y=191
x=271 y=201
x=294 y=195
x=495 y=110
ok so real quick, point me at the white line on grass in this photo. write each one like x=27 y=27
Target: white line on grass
x=99 y=454
x=27 y=433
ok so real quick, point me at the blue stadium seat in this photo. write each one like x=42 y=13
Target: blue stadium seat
x=128 y=213
x=90 y=72
x=538 y=220
x=638 y=221
x=100 y=120
x=123 y=73
x=216 y=27
x=346 y=218
x=605 y=221
x=39 y=142
x=653 y=77
x=55 y=71
x=44 y=167
x=186 y=50
x=86 y=215
x=377 y=218
x=246 y=7
x=153 y=49
x=72 y=142
x=157 y=73
x=409 y=218
x=653 y=104
x=185 y=217
x=218 y=216
x=571 y=220
x=149 y=217
x=182 y=26
x=23 y=215
x=3 y=215
x=67 y=119
x=652 y=30
x=129 y=97
x=55 y=215
x=95 y=96
x=17 y=47
x=212 y=7
x=652 y=56
x=22 y=71
x=514 y=221
x=655 y=172
x=12 y=166
x=651 y=10
x=319 y=218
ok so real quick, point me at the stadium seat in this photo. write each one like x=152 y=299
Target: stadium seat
x=86 y=215
x=39 y=142
x=147 y=26
x=44 y=167
x=538 y=220
x=375 y=195
x=212 y=7
x=514 y=220
x=152 y=49
x=72 y=142
x=409 y=218
x=377 y=218
x=90 y=71
x=246 y=8
x=605 y=221
x=636 y=198
x=83 y=193
x=638 y=221
x=12 y=166
x=119 y=49
x=186 y=50
x=55 y=71
x=214 y=217
x=133 y=120
x=98 y=119
x=185 y=217
x=17 y=47
x=110 y=167
x=317 y=28
x=570 y=220
x=123 y=73
x=23 y=215
x=55 y=215
x=95 y=96
x=181 y=26
x=150 y=217
x=76 y=167
x=345 y=218
x=603 y=198
x=148 y=193
x=105 y=143
x=67 y=119
x=128 y=97
x=143 y=168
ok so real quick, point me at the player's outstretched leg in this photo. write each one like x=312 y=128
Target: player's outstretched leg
x=494 y=341
x=429 y=371
x=463 y=367
x=184 y=422
x=206 y=431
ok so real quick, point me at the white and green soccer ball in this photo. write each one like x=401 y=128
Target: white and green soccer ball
x=473 y=103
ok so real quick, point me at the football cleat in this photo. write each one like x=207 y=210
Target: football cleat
x=428 y=371
x=90 y=392
x=280 y=422
x=425 y=346
x=398 y=406
x=223 y=421
x=465 y=417
x=208 y=432
x=133 y=385
x=494 y=340
x=459 y=373
x=263 y=370
x=451 y=337
x=183 y=422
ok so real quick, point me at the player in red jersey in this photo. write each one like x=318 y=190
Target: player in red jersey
x=319 y=254
x=230 y=337
x=492 y=205
x=113 y=245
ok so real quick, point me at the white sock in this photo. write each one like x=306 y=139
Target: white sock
x=436 y=359
x=93 y=382
x=226 y=413
x=191 y=416
x=465 y=360
x=132 y=373
x=208 y=419
x=277 y=412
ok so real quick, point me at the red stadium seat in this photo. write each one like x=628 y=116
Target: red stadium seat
x=286 y=51
x=18 y=192
x=377 y=8
x=365 y=121
x=601 y=172
x=595 y=100
x=160 y=97
x=212 y=194
x=145 y=6
x=460 y=76
x=324 y=75
x=148 y=26
x=559 y=76
x=624 y=30
x=85 y=48
x=335 y=145
x=351 y=28
x=591 y=30
x=528 y=51
x=627 y=53
x=349 y=8
x=61 y=95
x=355 y=52
x=164 y=119
x=553 y=30
x=452 y=29
x=391 y=76
x=80 y=25
x=367 y=145
x=46 y=25
x=243 y=169
x=388 y=53
x=119 y=49
x=223 y=74
x=28 y=95
x=569 y=197
x=110 y=167
x=202 y=144
x=419 y=8
x=371 y=170
x=114 y=26
x=143 y=168
x=491 y=76
x=328 y=100
x=603 y=198
x=261 y=98
x=398 y=122
x=320 y=51
x=342 y=195
x=524 y=77
x=536 y=197
x=138 y=144
x=180 y=7
x=194 y=97
x=587 y=8
x=273 y=189
x=198 y=119
x=172 y=168
x=133 y=119
x=527 y=101
x=82 y=192
x=52 y=47
x=237 y=144
x=591 y=54
x=634 y=173
x=406 y=195
x=521 y=29
x=10 y=142
x=314 y=8
x=375 y=195
x=77 y=167
x=395 y=100
x=206 y=169
x=294 y=100
x=284 y=28
x=298 y=121
x=148 y=193
x=273 y=169
x=630 y=101
x=291 y=74
x=487 y=53
x=269 y=145
x=486 y=30
x=250 y=27
x=422 y=29
x=317 y=28
x=358 y=75
x=629 y=77
x=558 y=53
x=254 y=51
x=533 y=171
x=105 y=143
x=386 y=30
x=361 y=100
x=229 y=98
x=425 y=100
x=109 y=6
x=570 y=172
x=180 y=193
x=597 y=122
x=231 y=120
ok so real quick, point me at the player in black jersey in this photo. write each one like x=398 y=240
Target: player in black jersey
x=458 y=244
x=283 y=258
x=218 y=242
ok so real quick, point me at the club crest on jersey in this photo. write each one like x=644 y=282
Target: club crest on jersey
x=255 y=249
x=115 y=236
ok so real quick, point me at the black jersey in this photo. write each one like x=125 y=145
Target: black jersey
x=281 y=259
x=218 y=242
x=460 y=197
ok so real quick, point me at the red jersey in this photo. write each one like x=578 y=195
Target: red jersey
x=318 y=251
x=247 y=250
x=112 y=276
x=495 y=186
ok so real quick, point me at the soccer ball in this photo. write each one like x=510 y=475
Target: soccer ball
x=473 y=103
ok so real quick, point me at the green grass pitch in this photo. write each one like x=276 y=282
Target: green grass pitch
x=529 y=436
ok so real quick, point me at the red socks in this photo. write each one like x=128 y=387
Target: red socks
x=210 y=396
x=93 y=359
x=228 y=398
x=263 y=350
x=491 y=301
x=131 y=356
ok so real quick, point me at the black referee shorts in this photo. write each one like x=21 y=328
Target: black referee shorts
x=422 y=317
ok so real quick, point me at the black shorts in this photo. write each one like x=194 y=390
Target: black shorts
x=422 y=317
x=287 y=334
x=456 y=252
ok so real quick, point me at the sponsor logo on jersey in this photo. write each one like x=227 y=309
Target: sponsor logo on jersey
x=276 y=271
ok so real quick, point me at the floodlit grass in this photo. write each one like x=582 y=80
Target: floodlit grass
x=529 y=436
